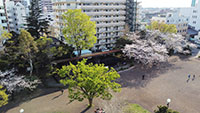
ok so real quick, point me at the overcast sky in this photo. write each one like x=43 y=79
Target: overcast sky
x=166 y=3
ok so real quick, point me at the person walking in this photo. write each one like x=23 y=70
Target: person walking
x=143 y=77
x=189 y=76
x=193 y=77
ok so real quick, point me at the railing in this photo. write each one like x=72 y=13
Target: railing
x=103 y=1
x=106 y=13
x=110 y=24
x=104 y=7
x=110 y=30
x=108 y=18
x=85 y=56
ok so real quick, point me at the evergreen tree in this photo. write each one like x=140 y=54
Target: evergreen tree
x=36 y=23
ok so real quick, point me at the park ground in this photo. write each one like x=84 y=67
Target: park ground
x=169 y=80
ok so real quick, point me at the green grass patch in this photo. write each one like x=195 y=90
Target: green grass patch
x=134 y=108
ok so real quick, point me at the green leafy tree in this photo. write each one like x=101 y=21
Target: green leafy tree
x=47 y=51
x=162 y=27
x=3 y=97
x=27 y=48
x=79 y=30
x=19 y=52
x=22 y=51
x=89 y=81
x=9 y=56
x=36 y=23
x=164 y=109
x=4 y=35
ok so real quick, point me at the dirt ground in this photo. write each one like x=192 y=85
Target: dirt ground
x=166 y=81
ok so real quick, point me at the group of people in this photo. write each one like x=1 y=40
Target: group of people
x=99 y=110
x=189 y=76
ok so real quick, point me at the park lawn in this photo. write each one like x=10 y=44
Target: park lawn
x=134 y=108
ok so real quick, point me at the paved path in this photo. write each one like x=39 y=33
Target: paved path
x=167 y=82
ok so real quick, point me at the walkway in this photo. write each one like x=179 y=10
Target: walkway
x=167 y=81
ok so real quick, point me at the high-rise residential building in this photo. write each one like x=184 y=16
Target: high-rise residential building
x=3 y=19
x=193 y=3
x=16 y=13
x=47 y=10
x=175 y=18
x=25 y=3
x=111 y=16
x=193 y=13
x=47 y=4
x=132 y=14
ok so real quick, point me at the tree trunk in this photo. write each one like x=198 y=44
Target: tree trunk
x=31 y=66
x=90 y=102
x=79 y=52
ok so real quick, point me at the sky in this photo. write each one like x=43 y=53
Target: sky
x=166 y=3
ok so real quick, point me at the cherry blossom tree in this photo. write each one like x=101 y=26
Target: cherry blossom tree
x=178 y=43
x=145 y=51
x=15 y=83
x=152 y=47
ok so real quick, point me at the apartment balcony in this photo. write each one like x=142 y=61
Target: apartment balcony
x=104 y=43
x=112 y=41
x=57 y=2
x=106 y=13
x=108 y=19
x=110 y=24
x=2 y=11
x=4 y=24
x=93 y=7
x=101 y=36
x=100 y=1
x=111 y=36
x=110 y=31
x=11 y=25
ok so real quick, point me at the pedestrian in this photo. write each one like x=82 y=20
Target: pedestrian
x=62 y=91
x=143 y=77
x=193 y=77
x=189 y=76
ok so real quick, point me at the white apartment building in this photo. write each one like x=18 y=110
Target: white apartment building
x=16 y=16
x=110 y=17
x=47 y=4
x=3 y=20
x=23 y=2
x=47 y=10
x=193 y=13
x=175 y=18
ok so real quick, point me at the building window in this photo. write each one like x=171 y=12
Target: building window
x=194 y=11
x=3 y=21
x=68 y=4
x=194 y=22
x=194 y=16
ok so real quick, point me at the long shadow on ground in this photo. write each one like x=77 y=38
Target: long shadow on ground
x=134 y=78
x=26 y=97
x=131 y=78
